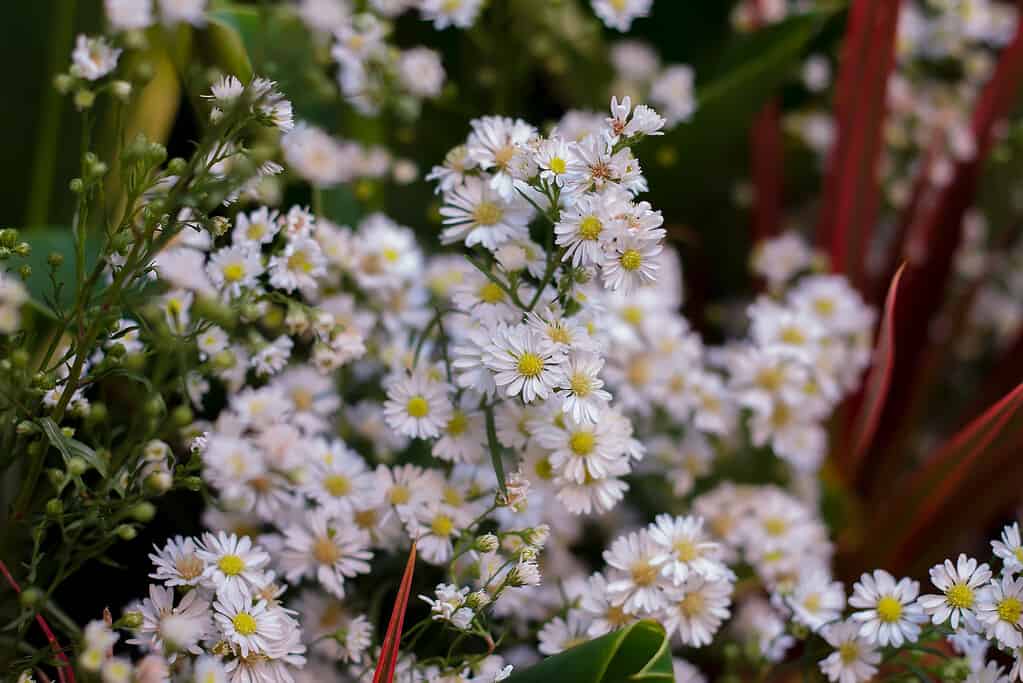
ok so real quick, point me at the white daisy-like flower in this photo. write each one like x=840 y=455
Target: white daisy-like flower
x=583 y=451
x=619 y=14
x=631 y=264
x=581 y=390
x=339 y=481
x=583 y=230
x=421 y=72
x=560 y=634
x=128 y=15
x=477 y=214
x=464 y=435
x=639 y=561
x=672 y=93
x=234 y=268
x=178 y=563
x=889 y=613
x=551 y=156
x=605 y=616
x=435 y=525
x=183 y=11
x=331 y=550
x=688 y=548
x=855 y=658
x=256 y=228
x=418 y=406
x=1009 y=549
x=696 y=609
x=816 y=600
x=298 y=266
x=992 y=672
x=233 y=565
x=958 y=584
x=444 y=13
x=494 y=145
x=249 y=625
x=1000 y=610
x=93 y=58
x=523 y=363
x=180 y=628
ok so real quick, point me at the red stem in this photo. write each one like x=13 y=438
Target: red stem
x=57 y=649
x=766 y=161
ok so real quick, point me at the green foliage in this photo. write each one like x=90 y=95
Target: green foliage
x=639 y=652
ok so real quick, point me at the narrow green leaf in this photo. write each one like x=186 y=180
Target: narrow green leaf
x=496 y=450
x=221 y=44
x=639 y=652
x=70 y=448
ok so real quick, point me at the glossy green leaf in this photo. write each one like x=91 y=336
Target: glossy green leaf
x=221 y=44
x=639 y=652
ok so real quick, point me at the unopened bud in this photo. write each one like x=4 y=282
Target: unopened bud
x=487 y=543
x=77 y=466
x=125 y=532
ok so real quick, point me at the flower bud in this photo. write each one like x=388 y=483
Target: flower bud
x=84 y=99
x=54 y=507
x=63 y=83
x=25 y=427
x=182 y=416
x=56 y=477
x=25 y=271
x=20 y=358
x=31 y=597
x=192 y=483
x=177 y=166
x=129 y=620
x=142 y=512
x=478 y=600
x=77 y=466
x=23 y=249
x=154 y=406
x=55 y=259
x=121 y=90
x=487 y=543
x=125 y=532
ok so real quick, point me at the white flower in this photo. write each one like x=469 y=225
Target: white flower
x=696 y=609
x=477 y=214
x=552 y=157
x=779 y=259
x=233 y=565
x=418 y=406
x=889 y=613
x=631 y=264
x=959 y=585
x=256 y=228
x=1000 y=610
x=688 y=548
x=339 y=480
x=1009 y=549
x=644 y=121
x=523 y=363
x=435 y=525
x=463 y=436
x=582 y=230
x=170 y=627
x=494 y=144
x=638 y=560
x=12 y=295
x=582 y=394
x=209 y=669
x=583 y=451
x=328 y=549
x=672 y=93
x=234 y=268
x=126 y=15
x=421 y=72
x=444 y=13
x=855 y=658
x=247 y=624
x=93 y=58
x=315 y=156
x=619 y=14
x=178 y=563
x=558 y=634
x=183 y=11
x=816 y=600
x=991 y=673
x=298 y=266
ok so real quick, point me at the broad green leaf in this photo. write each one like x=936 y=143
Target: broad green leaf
x=221 y=44
x=60 y=240
x=69 y=447
x=639 y=652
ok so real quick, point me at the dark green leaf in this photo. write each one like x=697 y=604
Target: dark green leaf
x=56 y=239
x=69 y=447
x=639 y=652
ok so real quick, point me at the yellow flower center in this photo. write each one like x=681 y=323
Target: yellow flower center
x=638 y=372
x=775 y=526
x=1009 y=610
x=685 y=550
x=590 y=227
x=400 y=494
x=812 y=602
x=960 y=595
x=325 y=551
x=793 y=335
x=487 y=213
x=631 y=259
x=490 y=293
x=889 y=609
x=442 y=525
x=300 y=261
x=244 y=623
x=234 y=272
x=580 y=384
x=643 y=573
x=337 y=485
x=582 y=443
x=189 y=567
x=504 y=155
x=390 y=254
x=558 y=165
x=691 y=605
x=769 y=379
x=824 y=307
x=366 y=519
x=849 y=652
x=632 y=315
x=231 y=565
x=255 y=231
x=1018 y=552
x=544 y=469
x=417 y=407
x=458 y=423
x=559 y=334
x=530 y=365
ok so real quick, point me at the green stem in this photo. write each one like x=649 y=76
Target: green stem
x=495 y=450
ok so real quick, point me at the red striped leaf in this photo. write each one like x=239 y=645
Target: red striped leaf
x=392 y=639
x=65 y=672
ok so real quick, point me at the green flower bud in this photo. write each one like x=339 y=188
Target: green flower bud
x=8 y=237
x=63 y=83
x=35 y=448
x=121 y=90
x=129 y=620
x=25 y=427
x=182 y=416
x=55 y=259
x=177 y=166
x=135 y=362
x=56 y=477
x=143 y=512
x=25 y=271
x=99 y=413
x=23 y=249
x=116 y=351
x=20 y=358
x=487 y=543
x=54 y=507
x=76 y=185
x=159 y=482
x=77 y=466
x=125 y=532
x=31 y=597
x=192 y=483
x=154 y=406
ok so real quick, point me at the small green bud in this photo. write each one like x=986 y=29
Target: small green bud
x=121 y=90
x=54 y=507
x=99 y=413
x=23 y=249
x=129 y=620
x=156 y=154
x=135 y=362
x=25 y=271
x=62 y=83
x=159 y=482
x=20 y=358
x=55 y=259
x=192 y=483
x=154 y=406
x=125 y=532
x=119 y=243
x=117 y=351
x=8 y=237
x=487 y=543
x=182 y=416
x=224 y=360
x=77 y=185
x=25 y=427
x=143 y=512
x=84 y=99
x=35 y=448
x=177 y=166
x=31 y=597
x=77 y=466
x=144 y=72
x=56 y=477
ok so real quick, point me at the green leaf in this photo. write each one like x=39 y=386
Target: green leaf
x=56 y=239
x=221 y=43
x=639 y=652
x=69 y=447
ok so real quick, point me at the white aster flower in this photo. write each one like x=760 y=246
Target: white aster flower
x=1000 y=610
x=1009 y=549
x=248 y=625
x=559 y=634
x=688 y=548
x=476 y=214
x=855 y=658
x=93 y=58
x=234 y=268
x=619 y=14
x=696 y=609
x=958 y=584
x=523 y=362
x=327 y=549
x=417 y=406
x=639 y=561
x=233 y=565
x=581 y=390
x=889 y=613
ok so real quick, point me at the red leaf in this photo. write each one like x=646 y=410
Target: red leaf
x=877 y=384
x=851 y=193
x=766 y=163
x=392 y=639
x=67 y=676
